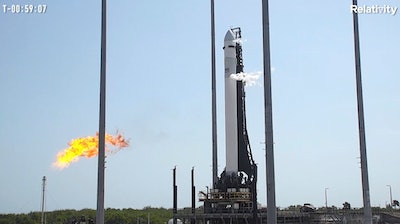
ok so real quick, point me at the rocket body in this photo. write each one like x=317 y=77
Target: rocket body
x=231 y=131
x=236 y=148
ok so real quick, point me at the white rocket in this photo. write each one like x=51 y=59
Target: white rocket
x=238 y=156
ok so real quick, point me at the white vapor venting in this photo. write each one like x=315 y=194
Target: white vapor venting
x=249 y=79
x=239 y=41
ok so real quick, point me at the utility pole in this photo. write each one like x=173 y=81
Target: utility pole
x=361 y=125
x=43 y=220
x=390 y=196
x=326 y=198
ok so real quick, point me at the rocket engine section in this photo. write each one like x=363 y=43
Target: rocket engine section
x=236 y=186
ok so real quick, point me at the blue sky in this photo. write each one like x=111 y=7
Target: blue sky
x=159 y=96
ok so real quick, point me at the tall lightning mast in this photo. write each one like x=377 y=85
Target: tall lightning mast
x=361 y=126
x=102 y=120
x=269 y=140
x=214 y=100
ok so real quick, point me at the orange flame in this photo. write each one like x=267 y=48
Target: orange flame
x=88 y=147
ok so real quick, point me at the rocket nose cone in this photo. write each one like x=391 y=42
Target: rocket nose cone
x=229 y=36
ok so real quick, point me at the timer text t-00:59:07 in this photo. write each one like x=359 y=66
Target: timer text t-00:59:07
x=16 y=9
